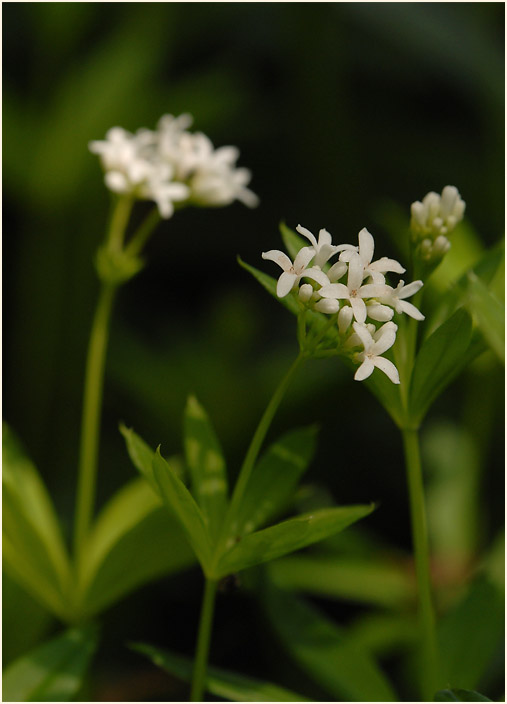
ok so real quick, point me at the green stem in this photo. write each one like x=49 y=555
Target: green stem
x=422 y=563
x=260 y=434
x=94 y=382
x=203 y=641
x=141 y=235
x=92 y=407
x=119 y=220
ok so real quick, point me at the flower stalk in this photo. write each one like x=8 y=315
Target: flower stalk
x=203 y=641
x=422 y=564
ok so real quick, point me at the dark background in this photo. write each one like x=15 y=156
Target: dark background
x=345 y=113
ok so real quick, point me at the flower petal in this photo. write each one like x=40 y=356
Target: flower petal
x=388 y=368
x=366 y=246
x=364 y=335
x=409 y=289
x=364 y=370
x=306 y=233
x=385 y=340
x=303 y=258
x=359 y=308
x=356 y=271
x=280 y=258
x=334 y=291
x=409 y=309
x=380 y=313
x=317 y=275
x=285 y=284
x=385 y=264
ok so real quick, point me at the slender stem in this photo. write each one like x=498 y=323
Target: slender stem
x=203 y=641
x=119 y=220
x=140 y=236
x=92 y=407
x=94 y=382
x=422 y=563
x=260 y=434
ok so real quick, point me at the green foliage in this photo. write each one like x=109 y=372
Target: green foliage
x=322 y=649
x=134 y=540
x=54 y=671
x=459 y=695
x=279 y=469
x=180 y=501
x=369 y=581
x=33 y=549
x=220 y=683
x=441 y=357
x=288 y=536
x=274 y=480
x=489 y=313
x=206 y=463
x=471 y=633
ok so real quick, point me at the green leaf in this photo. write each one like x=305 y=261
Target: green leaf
x=180 y=501
x=141 y=455
x=206 y=463
x=365 y=581
x=134 y=540
x=34 y=550
x=220 y=683
x=25 y=622
x=292 y=241
x=388 y=394
x=471 y=633
x=441 y=357
x=269 y=283
x=274 y=479
x=315 y=321
x=321 y=648
x=288 y=536
x=53 y=672
x=489 y=314
x=459 y=695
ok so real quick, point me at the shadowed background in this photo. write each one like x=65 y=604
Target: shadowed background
x=345 y=113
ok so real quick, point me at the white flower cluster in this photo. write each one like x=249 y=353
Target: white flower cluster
x=433 y=219
x=171 y=164
x=361 y=303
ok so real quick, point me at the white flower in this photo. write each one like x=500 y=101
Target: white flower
x=395 y=298
x=171 y=164
x=374 y=269
x=292 y=273
x=324 y=250
x=437 y=214
x=354 y=291
x=374 y=346
x=133 y=167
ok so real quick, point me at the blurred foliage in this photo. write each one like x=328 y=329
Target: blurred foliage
x=345 y=113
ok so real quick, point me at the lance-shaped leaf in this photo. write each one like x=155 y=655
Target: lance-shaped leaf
x=220 y=683
x=459 y=695
x=180 y=501
x=370 y=581
x=441 y=357
x=34 y=550
x=206 y=463
x=141 y=455
x=322 y=649
x=274 y=479
x=288 y=536
x=134 y=540
x=489 y=314
x=53 y=672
